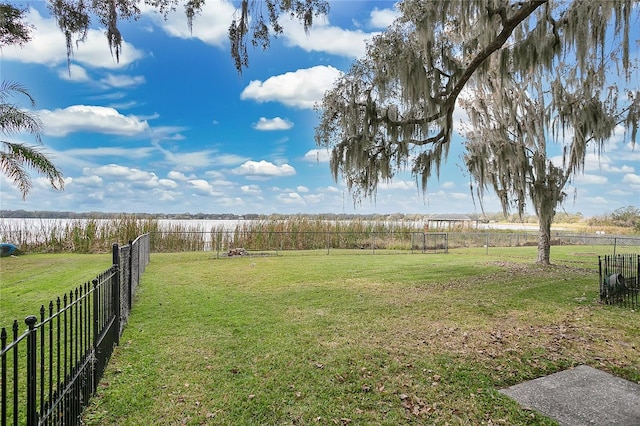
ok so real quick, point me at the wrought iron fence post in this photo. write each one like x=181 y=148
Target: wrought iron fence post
x=600 y=278
x=96 y=308
x=31 y=370
x=116 y=290
x=130 y=274
x=3 y=378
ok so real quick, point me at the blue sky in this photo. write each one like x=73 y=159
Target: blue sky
x=173 y=128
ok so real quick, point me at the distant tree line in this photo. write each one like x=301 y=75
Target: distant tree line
x=43 y=214
x=487 y=217
x=627 y=217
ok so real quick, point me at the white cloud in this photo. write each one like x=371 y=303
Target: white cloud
x=228 y=159
x=589 y=179
x=264 y=169
x=74 y=73
x=175 y=175
x=605 y=163
x=123 y=105
x=204 y=187
x=302 y=189
x=167 y=183
x=211 y=25
x=291 y=198
x=48 y=47
x=190 y=160
x=618 y=192
x=251 y=189
x=222 y=183
x=92 y=180
x=301 y=89
x=398 y=184
x=458 y=195
x=276 y=123
x=329 y=190
x=633 y=180
x=201 y=185
x=314 y=198
x=323 y=37
x=122 y=81
x=317 y=156
x=602 y=201
x=122 y=177
x=86 y=118
x=119 y=172
x=109 y=152
x=443 y=195
x=382 y=18
x=230 y=202
x=186 y=161
x=168 y=196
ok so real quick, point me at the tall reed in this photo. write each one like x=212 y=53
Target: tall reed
x=296 y=233
x=74 y=235
x=303 y=233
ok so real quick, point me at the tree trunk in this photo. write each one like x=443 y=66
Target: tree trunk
x=544 y=238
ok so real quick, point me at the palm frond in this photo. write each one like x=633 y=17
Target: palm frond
x=16 y=157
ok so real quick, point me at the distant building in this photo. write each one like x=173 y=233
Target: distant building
x=450 y=222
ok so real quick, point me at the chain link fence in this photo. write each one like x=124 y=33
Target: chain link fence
x=234 y=243
x=611 y=243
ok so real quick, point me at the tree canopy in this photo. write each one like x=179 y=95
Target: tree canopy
x=394 y=109
x=15 y=157
x=512 y=137
x=13 y=28
x=256 y=20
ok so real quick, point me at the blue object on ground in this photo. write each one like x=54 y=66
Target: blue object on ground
x=8 y=249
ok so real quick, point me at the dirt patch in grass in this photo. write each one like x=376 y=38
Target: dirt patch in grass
x=516 y=343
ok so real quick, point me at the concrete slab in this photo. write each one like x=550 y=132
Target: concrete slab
x=581 y=396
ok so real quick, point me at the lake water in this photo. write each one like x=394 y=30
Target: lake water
x=206 y=225
x=39 y=224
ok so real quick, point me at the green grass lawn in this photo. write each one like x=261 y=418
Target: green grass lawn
x=357 y=339
x=29 y=281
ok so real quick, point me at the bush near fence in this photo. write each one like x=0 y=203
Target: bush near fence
x=49 y=372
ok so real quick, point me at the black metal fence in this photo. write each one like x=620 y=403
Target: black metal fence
x=49 y=372
x=620 y=279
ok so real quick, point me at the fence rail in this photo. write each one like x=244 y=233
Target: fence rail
x=272 y=242
x=49 y=372
x=224 y=242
